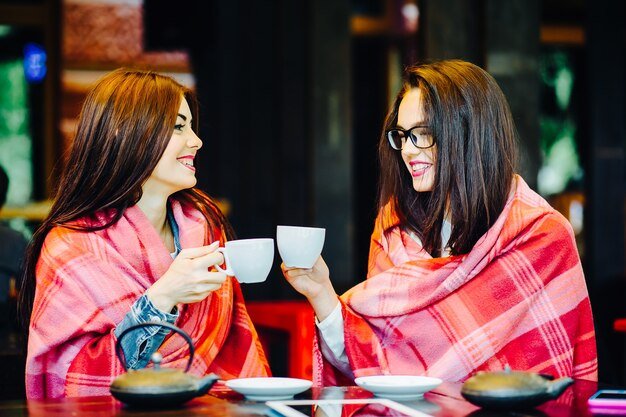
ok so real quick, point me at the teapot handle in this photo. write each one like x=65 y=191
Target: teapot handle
x=120 y=352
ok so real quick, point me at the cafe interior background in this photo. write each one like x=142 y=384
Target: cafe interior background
x=293 y=94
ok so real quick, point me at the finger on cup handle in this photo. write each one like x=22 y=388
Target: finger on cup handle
x=212 y=258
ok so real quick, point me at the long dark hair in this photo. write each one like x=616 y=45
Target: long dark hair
x=475 y=158
x=124 y=126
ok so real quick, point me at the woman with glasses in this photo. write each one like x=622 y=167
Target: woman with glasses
x=469 y=269
x=129 y=240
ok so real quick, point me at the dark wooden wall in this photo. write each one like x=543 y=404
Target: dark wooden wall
x=606 y=89
x=273 y=82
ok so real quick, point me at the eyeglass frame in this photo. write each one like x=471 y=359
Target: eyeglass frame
x=413 y=138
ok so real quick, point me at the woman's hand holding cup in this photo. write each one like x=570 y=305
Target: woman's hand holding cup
x=189 y=278
x=314 y=283
x=304 y=268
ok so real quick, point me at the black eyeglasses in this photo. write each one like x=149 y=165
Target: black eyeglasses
x=420 y=136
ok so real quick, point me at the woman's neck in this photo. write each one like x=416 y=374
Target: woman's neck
x=155 y=209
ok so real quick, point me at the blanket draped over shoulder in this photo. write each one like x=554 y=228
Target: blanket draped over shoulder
x=518 y=298
x=87 y=282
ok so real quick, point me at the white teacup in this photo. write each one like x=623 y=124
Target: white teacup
x=248 y=260
x=300 y=246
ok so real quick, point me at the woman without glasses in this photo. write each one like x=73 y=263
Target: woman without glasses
x=469 y=269
x=129 y=240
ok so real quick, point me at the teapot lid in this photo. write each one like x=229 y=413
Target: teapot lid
x=155 y=380
x=505 y=383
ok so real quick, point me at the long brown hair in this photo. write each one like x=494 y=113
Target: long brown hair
x=124 y=127
x=476 y=144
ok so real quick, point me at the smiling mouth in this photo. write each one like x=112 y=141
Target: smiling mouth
x=188 y=163
x=419 y=169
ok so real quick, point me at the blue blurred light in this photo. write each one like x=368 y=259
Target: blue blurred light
x=34 y=62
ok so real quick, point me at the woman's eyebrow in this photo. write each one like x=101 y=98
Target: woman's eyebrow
x=419 y=124
x=182 y=116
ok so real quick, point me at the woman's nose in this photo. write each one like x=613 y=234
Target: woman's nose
x=194 y=141
x=409 y=149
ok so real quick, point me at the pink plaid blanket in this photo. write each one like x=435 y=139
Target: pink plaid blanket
x=87 y=282
x=518 y=298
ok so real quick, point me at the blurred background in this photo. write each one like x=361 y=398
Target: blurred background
x=293 y=94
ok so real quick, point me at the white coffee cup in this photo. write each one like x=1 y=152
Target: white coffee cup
x=248 y=260
x=300 y=246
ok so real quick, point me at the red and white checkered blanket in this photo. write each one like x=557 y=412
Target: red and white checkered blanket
x=518 y=298
x=87 y=282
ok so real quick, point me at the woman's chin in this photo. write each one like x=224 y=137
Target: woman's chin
x=422 y=184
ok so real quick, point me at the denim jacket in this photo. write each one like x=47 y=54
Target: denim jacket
x=139 y=345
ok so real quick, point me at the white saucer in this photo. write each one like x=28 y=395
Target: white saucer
x=398 y=387
x=267 y=389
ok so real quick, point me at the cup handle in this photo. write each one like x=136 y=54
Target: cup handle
x=228 y=271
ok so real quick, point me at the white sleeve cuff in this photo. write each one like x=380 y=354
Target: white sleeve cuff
x=332 y=318
x=332 y=341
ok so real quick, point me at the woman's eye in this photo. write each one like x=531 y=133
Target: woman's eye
x=420 y=132
x=179 y=127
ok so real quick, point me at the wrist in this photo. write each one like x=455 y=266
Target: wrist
x=160 y=301
x=324 y=304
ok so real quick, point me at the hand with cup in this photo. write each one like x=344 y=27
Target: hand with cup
x=304 y=268
x=189 y=278
x=248 y=260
